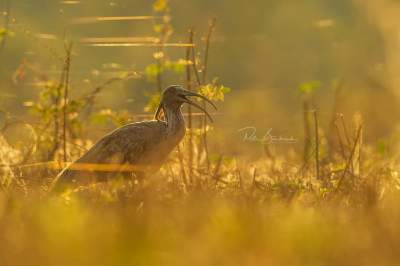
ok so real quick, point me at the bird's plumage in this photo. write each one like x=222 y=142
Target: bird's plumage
x=137 y=148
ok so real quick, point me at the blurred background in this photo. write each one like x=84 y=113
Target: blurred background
x=264 y=50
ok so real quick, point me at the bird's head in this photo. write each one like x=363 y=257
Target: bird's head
x=174 y=96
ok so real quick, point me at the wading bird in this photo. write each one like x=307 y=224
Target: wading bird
x=137 y=148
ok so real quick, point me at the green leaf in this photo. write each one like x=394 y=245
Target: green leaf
x=214 y=92
x=160 y=5
x=309 y=87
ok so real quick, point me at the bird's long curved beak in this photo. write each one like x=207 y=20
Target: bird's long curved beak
x=198 y=106
x=190 y=93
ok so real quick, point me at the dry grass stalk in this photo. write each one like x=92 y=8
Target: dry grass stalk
x=316 y=145
x=350 y=159
x=68 y=50
x=211 y=28
x=190 y=122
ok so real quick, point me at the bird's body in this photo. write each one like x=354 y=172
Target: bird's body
x=138 y=148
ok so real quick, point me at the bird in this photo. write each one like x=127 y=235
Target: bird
x=133 y=149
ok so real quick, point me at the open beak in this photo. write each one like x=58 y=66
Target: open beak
x=190 y=93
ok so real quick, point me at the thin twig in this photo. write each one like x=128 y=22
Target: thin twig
x=194 y=64
x=346 y=134
x=65 y=104
x=305 y=163
x=196 y=72
x=306 y=107
x=316 y=144
x=189 y=87
x=254 y=182
x=56 y=101
x=211 y=27
x=332 y=123
x=349 y=161
x=360 y=144
x=6 y=24
x=342 y=150
x=215 y=175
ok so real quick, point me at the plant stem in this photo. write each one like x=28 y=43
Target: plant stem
x=346 y=134
x=306 y=107
x=332 y=122
x=189 y=87
x=349 y=161
x=56 y=102
x=316 y=144
x=211 y=27
x=6 y=23
x=342 y=150
x=66 y=95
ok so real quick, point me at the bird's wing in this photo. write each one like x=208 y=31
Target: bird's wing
x=112 y=152
x=124 y=143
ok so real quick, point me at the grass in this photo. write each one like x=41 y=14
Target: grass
x=266 y=214
x=199 y=228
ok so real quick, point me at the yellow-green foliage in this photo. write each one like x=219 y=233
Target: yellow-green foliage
x=200 y=228
x=263 y=213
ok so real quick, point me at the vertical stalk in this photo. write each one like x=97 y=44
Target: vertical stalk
x=341 y=145
x=6 y=23
x=350 y=159
x=56 y=119
x=189 y=87
x=307 y=131
x=346 y=134
x=65 y=104
x=357 y=160
x=211 y=27
x=198 y=81
x=332 y=122
x=316 y=145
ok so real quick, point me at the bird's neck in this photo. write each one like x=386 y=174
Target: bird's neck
x=175 y=121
